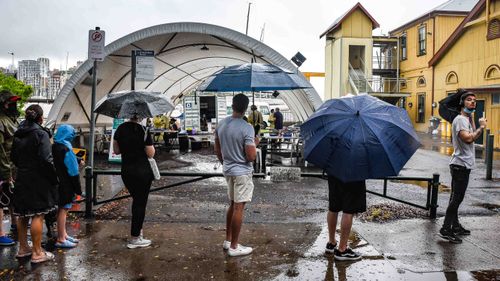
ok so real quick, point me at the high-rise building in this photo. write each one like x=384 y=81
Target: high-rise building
x=28 y=73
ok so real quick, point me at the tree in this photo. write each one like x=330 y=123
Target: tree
x=17 y=87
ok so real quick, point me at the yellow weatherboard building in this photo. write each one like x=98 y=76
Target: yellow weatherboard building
x=455 y=45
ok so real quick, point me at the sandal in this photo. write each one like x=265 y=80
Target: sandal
x=47 y=256
x=72 y=239
x=66 y=244
x=23 y=255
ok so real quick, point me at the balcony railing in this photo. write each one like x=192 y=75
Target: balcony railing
x=378 y=85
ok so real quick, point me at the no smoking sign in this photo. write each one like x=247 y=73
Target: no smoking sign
x=96 y=45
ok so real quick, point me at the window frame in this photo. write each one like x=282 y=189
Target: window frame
x=490 y=34
x=422 y=41
x=420 y=118
x=403 y=47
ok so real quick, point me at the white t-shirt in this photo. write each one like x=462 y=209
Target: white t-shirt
x=464 y=153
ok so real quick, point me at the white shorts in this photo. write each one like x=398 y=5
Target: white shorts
x=240 y=188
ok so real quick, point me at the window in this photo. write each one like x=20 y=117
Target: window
x=451 y=78
x=495 y=98
x=492 y=72
x=421 y=40
x=421 y=108
x=493 y=29
x=403 y=46
x=421 y=81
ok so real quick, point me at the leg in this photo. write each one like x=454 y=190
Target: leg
x=61 y=225
x=2 y=233
x=229 y=218
x=331 y=219
x=22 y=235
x=459 y=182
x=236 y=221
x=36 y=236
x=139 y=201
x=345 y=230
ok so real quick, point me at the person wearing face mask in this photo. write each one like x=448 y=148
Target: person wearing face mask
x=8 y=125
x=464 y=133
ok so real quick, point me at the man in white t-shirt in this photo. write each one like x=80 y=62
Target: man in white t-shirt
x=464 y=133
x=235 y=146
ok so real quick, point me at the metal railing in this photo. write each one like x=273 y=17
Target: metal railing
x=380 y=84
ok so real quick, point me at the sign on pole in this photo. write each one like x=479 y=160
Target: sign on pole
x=144 y=65
x=96 y=45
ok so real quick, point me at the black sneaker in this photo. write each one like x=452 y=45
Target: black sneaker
x=347 y=255
x=449 y=235
x=460 y=230
x=330 y=248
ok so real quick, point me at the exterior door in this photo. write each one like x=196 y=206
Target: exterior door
x=478 y=114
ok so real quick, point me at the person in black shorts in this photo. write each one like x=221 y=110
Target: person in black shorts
x=350 y=198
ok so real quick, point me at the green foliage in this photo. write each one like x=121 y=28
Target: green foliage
x=17 y=87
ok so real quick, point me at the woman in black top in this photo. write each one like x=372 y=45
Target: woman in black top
x=135 y=147
x=35 y=191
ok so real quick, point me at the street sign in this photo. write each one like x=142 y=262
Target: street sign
x=96 y=45
x=144 y=65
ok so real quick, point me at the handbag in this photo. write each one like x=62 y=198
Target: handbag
x=152 y=161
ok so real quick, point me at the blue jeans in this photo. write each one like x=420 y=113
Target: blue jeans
x=459 y=182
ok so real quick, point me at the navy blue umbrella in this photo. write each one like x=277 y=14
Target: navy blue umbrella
x=253 y=77
x=359 y=137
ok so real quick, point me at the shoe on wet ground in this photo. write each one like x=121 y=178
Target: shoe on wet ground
x=47 y=256
x=138 y=242
x=226 y=244
x=460 y=230
x=66 y=244
x=330 y=248
x=239 y=251
x=449 y=235
x=72 y=239
x=6 y=241
x=347 y=255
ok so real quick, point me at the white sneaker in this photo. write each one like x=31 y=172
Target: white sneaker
x=138 y=242
x=239 y=251
x=226 y=244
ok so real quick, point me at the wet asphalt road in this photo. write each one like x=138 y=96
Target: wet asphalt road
x=285 y=224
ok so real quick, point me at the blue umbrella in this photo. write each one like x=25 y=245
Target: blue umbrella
x=253 y=77
x=359 y=137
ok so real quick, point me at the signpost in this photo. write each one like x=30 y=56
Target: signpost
x=142 y=66
x=96 y=53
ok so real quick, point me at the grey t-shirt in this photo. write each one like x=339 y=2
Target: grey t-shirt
x=464 y=153
x=234 y=134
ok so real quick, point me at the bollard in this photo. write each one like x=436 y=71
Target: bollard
x=88 y=192
x=434 y=195
x=485 y=135
x=489 y=156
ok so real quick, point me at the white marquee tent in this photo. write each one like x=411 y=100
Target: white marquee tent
x=185 y=55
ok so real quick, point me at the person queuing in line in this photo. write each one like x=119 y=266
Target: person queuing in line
x=173 y=125
x=350 y=198
x=464 y=133
x=35 y=193
x=255 y=119
x=69 y=181
x=271 y=119
x=135 y=146
x=235 y=143
x=8 y=125
x=278 y=119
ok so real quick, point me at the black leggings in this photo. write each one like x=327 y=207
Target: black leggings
x=138 y=187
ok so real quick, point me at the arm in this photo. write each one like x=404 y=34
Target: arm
x=5 y=172
x=217 y=148
x=116 y=148
x=250 y=152
x=470 y=137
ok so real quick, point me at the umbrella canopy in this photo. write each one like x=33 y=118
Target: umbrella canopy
x=449 y=107
x=127 y=104
x=359 y=137
x=253 y=77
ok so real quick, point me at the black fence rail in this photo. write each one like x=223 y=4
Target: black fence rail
x=91 y=187
x=432 y=191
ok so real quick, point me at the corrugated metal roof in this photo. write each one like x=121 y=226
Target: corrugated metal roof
x=456 y=6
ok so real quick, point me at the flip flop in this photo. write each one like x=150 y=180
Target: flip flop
x=23 y=255
x=47 y=256
x=66 y=244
